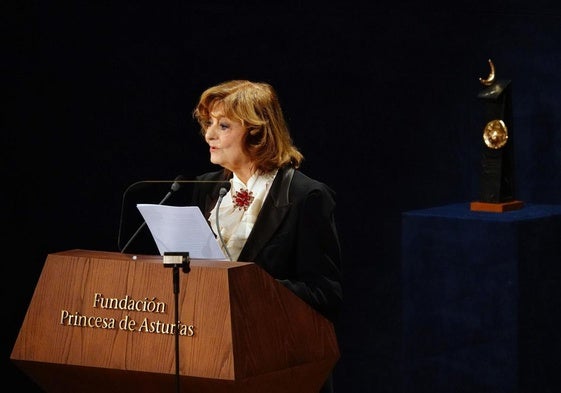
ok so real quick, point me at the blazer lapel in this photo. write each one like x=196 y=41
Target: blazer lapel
x=275 y=208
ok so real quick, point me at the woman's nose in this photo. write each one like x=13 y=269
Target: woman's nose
x=210 y=133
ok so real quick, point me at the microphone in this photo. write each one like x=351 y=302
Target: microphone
x=223 y=190
x=174 y=187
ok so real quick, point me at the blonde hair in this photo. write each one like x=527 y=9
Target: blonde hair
x=256 y=105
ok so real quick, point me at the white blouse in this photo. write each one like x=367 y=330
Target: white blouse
x=236 y=222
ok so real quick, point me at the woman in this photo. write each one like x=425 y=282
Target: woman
x=273 y=214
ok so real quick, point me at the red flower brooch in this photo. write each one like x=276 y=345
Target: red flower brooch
x=242 y=199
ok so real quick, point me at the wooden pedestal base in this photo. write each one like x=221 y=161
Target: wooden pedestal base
x=496 y=207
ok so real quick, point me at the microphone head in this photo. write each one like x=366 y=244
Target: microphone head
x=176 y=186
x=224 y=188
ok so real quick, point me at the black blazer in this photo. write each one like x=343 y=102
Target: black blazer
x=294 y=237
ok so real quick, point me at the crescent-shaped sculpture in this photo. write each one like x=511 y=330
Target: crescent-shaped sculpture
x=491 y=78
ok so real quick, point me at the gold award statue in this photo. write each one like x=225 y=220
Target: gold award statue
x=497 y=151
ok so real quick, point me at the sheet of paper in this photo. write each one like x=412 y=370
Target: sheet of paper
x=180 y=229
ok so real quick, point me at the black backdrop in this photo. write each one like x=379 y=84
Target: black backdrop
x=380 y=98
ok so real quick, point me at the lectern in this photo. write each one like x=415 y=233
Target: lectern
x=104 y=322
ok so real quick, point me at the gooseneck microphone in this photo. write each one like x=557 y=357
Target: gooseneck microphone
x=221 y=193
x=174 y=187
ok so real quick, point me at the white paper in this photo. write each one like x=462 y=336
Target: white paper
x=181 y=229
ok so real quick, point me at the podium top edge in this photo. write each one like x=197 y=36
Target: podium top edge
x=82 y=253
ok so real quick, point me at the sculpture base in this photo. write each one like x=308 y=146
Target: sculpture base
x=496 y=207
x=478 y=300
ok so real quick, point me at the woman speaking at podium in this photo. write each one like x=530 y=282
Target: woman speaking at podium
x=272 y=214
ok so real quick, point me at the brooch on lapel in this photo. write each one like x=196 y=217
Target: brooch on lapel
x=242 y=199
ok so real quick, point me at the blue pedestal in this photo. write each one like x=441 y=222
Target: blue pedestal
x=481 y=300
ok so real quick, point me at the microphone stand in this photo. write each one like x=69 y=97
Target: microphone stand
x=221 y=193
x=176 y=260
x=174 y=187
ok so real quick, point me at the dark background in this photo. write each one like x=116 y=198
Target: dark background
x=381 y=98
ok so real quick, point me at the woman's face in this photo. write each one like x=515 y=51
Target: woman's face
x=225 y=138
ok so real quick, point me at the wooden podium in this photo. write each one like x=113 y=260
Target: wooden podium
x=104 y=322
